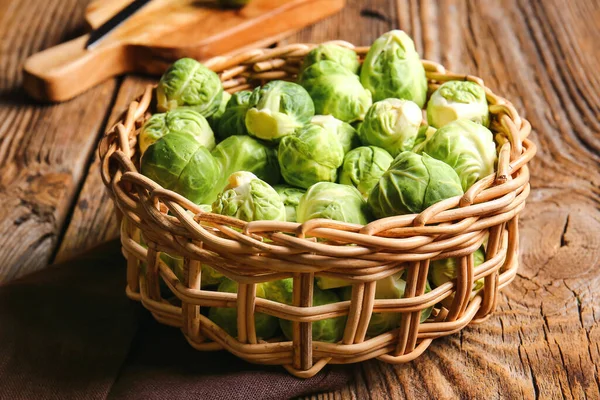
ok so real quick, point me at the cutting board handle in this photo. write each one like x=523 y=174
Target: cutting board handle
x=63 y=71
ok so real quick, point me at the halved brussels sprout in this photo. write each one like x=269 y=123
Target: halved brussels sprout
x=266 y=325
x=178 y=120
x=444 y=270
x=333 y=201
x=391 y=124
x=393 y=69
x=290 y=197
x=346 y=134
x=363 y=167
x=280 y=109
x=392 y=287
x=178 y=162
x=233 y=120
x=467 y=147
x=336 y=91
x=214 y=119
x=312 y=155
x=343 y=56
x=244 y=153
x=326 y=330
x=411 y=184
x=458 y=99
x=187 y=83
x=249 y=199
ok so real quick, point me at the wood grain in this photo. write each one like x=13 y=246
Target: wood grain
x=44 y=150
x=544 y=339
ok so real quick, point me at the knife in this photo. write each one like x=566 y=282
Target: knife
x=97 y=35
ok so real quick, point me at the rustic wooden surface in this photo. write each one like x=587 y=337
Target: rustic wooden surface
x=544 y=339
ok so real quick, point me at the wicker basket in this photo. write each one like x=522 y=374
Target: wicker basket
x=455 y=227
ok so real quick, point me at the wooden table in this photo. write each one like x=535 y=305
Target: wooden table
x=543 y=340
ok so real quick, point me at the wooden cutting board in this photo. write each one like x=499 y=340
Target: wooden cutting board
x=160 y=33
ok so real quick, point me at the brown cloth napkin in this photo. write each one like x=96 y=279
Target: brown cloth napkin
x=69 y=332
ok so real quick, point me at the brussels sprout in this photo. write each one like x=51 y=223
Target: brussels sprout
x=233 y=120
x=344 y=131
x=187 y=83
x=391 y=124
x=467 y=147
x=327 y=330
x=209 y=276
x=333 y=201
x=206 y=207
x=363 y=167
x=178 y=120
x=249 y=199
x=214 y=119
x=444 y=270
x=281 y=108
x=266 y=325
x=233 y=3
x=244 y=153
x=290 y=197
x=393 y=69
x=336 y=91
x=457 y=99
x=343 y=56
x=179 y=163
x=411 y=184
x=313 y=155
x=392 y=287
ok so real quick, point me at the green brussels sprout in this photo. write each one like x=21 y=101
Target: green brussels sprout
x=249 y=199
x=233 y=120
x=343 y=56
x=290 y=197
x=280 y=109
x=467 y=147
x=393 y=69
x=346 y=134
x=214 y=119
x=333 y=201
x=179 y=163
x=313 y=155
x=178 y=120
x=226 y=317
x=392 y=287
x=208 y=277
x=363 y=167
x=391 y=124
x=187 y=83
x=233 y=3
x=425 y=133
x=336 y=91
x=327 y=330
x=411 y=184
x=444 y=270
x=458 y=99
x=244 y=153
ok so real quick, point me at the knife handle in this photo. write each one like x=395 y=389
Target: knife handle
x=64 y=71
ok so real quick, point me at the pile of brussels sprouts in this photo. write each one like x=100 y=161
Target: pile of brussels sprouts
x=346 y=142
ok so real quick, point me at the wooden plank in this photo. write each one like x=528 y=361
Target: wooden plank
x=44 y=150
x=94 y=220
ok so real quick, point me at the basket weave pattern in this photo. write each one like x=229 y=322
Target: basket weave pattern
x=263 y=251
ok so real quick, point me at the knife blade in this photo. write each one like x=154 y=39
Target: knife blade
x=99 y=34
